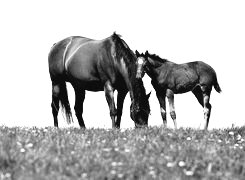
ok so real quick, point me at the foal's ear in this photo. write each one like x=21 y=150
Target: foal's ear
x=148 y=95
x=137 y=53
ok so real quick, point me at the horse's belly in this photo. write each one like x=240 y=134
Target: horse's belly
x=184 y=83
x=90 y=84
x=93 y=85
x=183 y=88
x=86 y=78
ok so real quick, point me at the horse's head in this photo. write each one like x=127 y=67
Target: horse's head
x=126 y=62
x=140 y=108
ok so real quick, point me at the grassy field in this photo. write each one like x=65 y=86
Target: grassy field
x=152 y=153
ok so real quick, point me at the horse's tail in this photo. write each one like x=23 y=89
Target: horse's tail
x=216 y=85
x=65 y=103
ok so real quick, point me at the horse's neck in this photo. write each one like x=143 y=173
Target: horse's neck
x=132 y=85
x=125 y=68
x=152 y=73
x=131 y=81
x=155 y=71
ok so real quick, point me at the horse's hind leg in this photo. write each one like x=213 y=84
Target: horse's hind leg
x=198 y=94
x=80 y=96
x=203 y=95
x=109 y=93
x=170 y=96
x=55 y=102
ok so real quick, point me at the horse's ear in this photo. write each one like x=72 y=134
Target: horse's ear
x=137 y=53
x=148 y=95
x=147 y=53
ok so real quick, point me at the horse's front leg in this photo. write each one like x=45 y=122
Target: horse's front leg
x=109 y=94
x=120 y=99
x=161 y=98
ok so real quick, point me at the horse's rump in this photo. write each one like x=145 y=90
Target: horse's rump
x=55 y=59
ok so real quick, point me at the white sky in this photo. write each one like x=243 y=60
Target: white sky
x=181 y=31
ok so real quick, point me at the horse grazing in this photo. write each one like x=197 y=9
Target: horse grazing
x=169 y=78
x=96 y=65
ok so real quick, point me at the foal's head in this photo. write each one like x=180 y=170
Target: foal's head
x=147 y=63
x=142 y=63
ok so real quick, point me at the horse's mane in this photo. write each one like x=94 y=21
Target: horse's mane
x=123 y=50
x=157 y=58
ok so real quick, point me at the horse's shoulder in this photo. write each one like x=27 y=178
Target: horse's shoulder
x=169 y=65
x=164 y=71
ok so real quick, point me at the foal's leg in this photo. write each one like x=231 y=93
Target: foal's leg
x=207 y=107
x=55 y=102
x=202 y=94
x=198 y=94
x=161 y=98
x=109 y=94
x=120 y=99
x=170 y=96
x=79 y=99
x=200 y=97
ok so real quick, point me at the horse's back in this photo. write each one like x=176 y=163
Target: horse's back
x=74 y=45
x=87 y=61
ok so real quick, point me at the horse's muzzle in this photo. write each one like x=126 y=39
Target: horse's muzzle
x=141 y=126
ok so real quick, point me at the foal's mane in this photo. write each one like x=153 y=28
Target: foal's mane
x=157 y=58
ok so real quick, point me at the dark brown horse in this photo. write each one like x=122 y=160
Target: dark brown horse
x=169 y=78
x=96 y=65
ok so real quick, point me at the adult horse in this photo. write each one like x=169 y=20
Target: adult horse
x=96 y=65
x=169 y=78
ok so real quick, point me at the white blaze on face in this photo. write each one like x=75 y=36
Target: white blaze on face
x=140 y=63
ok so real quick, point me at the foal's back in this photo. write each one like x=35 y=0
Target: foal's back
x=184 y=77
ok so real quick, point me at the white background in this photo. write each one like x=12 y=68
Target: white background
x=181 y=31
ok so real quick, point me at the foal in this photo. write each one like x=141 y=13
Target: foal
x=169 y=78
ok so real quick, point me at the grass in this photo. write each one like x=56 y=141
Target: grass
x=152 y=153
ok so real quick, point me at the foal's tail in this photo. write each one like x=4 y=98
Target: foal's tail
x=65 y=103
x=216 y=86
